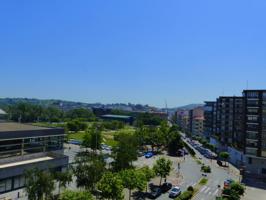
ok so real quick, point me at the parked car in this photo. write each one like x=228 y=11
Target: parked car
x=149 y=155
x=175 y=192
x=220 y=163
x=227 y=183
x=75 y=142
x=166 y=187
x=155 y=193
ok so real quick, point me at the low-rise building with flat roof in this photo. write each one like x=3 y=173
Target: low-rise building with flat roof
x=123 y=118
x=23 y=147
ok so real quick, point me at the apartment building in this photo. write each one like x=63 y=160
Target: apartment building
x=209 y=118
x=24 y=147
x=229 y=121
x=255 y=130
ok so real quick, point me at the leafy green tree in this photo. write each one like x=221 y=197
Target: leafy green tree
x=76 y=125
x=96 y=136
x=75 y=195
x=133 y=179
x=174 y=142
x=225 y=156
x=162 y=168
x=239 y=188
x=88 y=170
x=63 y=178
x=231 y=194
x=148 y=173
x=39 y=184
x=80 y=113
x=111 y=186
x=125 y=152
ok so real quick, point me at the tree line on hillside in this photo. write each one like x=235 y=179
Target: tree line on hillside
x=25 y=112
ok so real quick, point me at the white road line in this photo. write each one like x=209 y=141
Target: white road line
x=206 y=191
x=204 y=188
x=216 y=192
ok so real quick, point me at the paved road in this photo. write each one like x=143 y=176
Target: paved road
x=217 y=177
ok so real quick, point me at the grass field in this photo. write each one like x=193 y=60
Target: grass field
x=108 y=135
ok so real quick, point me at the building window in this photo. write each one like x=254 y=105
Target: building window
x=19 y=182
x=5 y=185
x=253 y=118
x=253 y=94
x=263 y=171
x=250 y=161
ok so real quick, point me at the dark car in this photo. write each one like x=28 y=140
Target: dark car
x=220 y=163
x=166 y=187
x=155 y=193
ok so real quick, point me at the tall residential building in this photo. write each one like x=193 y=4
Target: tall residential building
x=209 y=118
x=255 y=130
x=229 y=121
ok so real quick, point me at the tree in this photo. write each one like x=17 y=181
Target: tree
x=225 y=156
x=75 y=195
x=80 y=113
x=76 y=125
x=125 y=152
x=133 y=179
x=96 y=136
x=88 y=170
x=174 y=142
x=63 y=178
x=111 y=186
x=39 y=184
x=148 y=173
x=239 y=188
x=162 y=167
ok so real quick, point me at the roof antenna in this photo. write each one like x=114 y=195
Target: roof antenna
x=166 y=107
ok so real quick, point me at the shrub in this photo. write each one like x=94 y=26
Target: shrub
x=190 y=189
x=203 y=181
x=185 y=195
x=206 y=169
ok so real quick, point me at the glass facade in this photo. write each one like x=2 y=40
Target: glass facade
x=18 y=147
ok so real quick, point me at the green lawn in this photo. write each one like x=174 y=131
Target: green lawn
x=108 y=135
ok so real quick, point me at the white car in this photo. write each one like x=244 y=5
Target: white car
x=175 y=192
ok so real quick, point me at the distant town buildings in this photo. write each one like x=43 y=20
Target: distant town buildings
x=191 y=121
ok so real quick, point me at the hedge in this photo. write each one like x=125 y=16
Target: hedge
x=185 y=196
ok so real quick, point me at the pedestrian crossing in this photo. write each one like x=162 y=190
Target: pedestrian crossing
x=206 y=191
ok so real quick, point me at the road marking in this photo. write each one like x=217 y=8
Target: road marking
x=206 y=191
x=216 y=192
x=204 y=188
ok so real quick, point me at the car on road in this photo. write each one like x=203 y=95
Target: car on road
x=175 y=192
x=75 y=142
x=166 y=187
x=149 y=155
x=155 y=193
x=227 y=183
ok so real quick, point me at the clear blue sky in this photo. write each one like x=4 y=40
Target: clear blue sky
x=139 y=51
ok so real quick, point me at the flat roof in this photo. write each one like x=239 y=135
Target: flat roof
x=12 y=126
x=25 y=162
x=117 y=116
